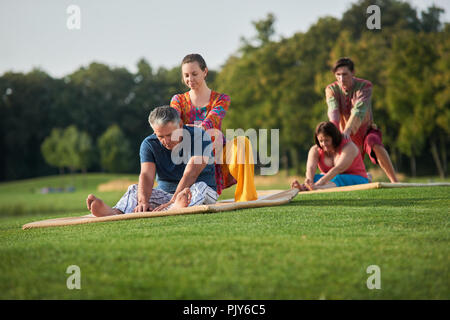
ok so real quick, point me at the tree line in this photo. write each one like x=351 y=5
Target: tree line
x=281 y=83
x=48 y=124
x=91 y=99
x=75 y=150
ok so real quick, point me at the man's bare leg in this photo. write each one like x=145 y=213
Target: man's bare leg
x=183 y=199
x=385 y=162
x=98 y=208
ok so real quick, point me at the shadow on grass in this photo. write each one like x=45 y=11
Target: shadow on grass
x=366 y=203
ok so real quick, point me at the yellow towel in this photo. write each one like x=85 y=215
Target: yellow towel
x=238 y=156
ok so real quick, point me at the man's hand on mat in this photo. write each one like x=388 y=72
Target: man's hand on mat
x=142 y=207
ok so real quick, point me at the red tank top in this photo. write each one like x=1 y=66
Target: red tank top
x=357 y=167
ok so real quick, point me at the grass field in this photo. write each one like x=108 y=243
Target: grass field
x=316 y=247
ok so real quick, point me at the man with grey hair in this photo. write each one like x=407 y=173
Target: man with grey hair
x=180 y=183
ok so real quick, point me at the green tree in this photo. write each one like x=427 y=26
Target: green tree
x=410 y=92
x=273 y=87
x=441 y=79
x=115 y=150
x=50 y=149
x=265 y=29
x=85 y=150
x=395 y=15
x=68 y=148
x=264 y=32
x=431 y=19
x=26 y=105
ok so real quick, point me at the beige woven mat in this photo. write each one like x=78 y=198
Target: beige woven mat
x=265 y=199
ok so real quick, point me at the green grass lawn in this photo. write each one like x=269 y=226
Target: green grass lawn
x=316 y=247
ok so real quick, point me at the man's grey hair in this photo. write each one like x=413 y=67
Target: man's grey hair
x=161 y=116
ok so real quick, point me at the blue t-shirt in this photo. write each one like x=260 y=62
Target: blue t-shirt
x=170 y=164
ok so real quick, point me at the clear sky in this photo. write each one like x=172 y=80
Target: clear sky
x=34 y=33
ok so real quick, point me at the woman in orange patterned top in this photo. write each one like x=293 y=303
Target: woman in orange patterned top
x=206 y=108
x=200 y=104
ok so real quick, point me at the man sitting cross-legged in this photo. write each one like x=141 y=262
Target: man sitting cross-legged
x=180 y=158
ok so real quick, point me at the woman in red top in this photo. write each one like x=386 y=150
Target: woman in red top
x=338 y=159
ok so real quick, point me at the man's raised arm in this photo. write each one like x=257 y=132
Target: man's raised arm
x=334 y=114
x=359 y=109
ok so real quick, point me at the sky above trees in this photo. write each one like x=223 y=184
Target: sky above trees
x=34 y=33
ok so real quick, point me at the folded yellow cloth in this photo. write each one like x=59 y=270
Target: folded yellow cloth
x=238 y=156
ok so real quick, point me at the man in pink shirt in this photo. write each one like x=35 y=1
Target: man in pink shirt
x=350 y=109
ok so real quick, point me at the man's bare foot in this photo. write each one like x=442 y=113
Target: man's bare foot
x=98 y=208
x=183 y=199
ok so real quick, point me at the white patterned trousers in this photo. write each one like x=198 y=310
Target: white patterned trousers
x=201 y=194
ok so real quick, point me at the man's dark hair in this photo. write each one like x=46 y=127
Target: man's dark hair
x=343 y=62
x=328 y=128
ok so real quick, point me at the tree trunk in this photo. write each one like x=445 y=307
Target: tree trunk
x=444 y=154
x=294 y=158
x=394 y=158
x=284 y=161
x=437 y=160
x=413 y=165
x=398 y=157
